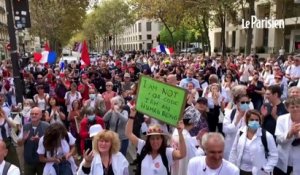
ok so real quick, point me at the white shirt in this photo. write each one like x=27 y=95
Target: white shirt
x=295 y=71
x=41 y=103
x=245 y=75
x=246 y=163
x=73 y=97
x=62 y=150
x=7 y=128
x=154 y=166
x=180 y=166
x=197 y=166
x=13 y=170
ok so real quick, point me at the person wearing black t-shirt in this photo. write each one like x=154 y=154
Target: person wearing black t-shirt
x=273 y=109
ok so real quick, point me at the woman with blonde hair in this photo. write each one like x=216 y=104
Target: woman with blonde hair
x=105 y=158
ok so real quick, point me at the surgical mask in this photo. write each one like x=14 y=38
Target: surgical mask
x=91 y=117
x=26 y=108
x=189 y=78
x=254 y=125
x=92 y=96
x=244 y=107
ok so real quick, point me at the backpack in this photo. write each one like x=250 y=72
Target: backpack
x=263 y=140
x=6 y=168
x=143 y=154
x=232 y=114
x=69 y=93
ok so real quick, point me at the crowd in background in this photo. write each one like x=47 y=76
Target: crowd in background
x=242 y=116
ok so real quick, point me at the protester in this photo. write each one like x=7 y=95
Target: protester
x=213 y=162
x=55 y=112
x=6 y=123
x=108 y=95
x=30 y=136
x=190 y=119
x=247 y=152
x=234 y=120
x=273 y=109
x=56 y=149
x=105 y=157
x=85 y=124
x=154 y=146
x=288 y=138
x=6 y=167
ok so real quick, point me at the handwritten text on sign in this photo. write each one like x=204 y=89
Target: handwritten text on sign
x=160 y=100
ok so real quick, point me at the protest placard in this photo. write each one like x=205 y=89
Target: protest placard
x=160 y=100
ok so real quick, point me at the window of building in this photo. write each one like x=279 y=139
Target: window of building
x=148 y=26
x=233 y=39
x=149 y=37
x=140 y=46
x=149 y=46
x=140 y=27
x=265 y=37
x=140 y=37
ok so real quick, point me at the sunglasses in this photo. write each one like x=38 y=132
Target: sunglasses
x=245 y=102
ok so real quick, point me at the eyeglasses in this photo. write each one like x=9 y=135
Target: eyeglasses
x=245 y=102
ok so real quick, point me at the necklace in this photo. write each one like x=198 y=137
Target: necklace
x=204 y=169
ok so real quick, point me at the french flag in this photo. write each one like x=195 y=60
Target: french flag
x=163 y=49
x=46 y=56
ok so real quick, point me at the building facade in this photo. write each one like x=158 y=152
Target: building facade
x=142 y=35
x=4 y=39
x=265 y=40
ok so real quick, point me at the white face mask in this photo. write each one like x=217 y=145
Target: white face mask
x=26 y=108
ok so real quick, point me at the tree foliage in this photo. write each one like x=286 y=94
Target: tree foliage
x=169 y=12
x=109 y=18
x=181 y=34
x=56 y=20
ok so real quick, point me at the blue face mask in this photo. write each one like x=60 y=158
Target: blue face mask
x=244 y=107
x=91 y=117
x=254 y=125
x=92 y=96
x=189 y=78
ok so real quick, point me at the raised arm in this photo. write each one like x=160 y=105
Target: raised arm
x=128 y=130
x=179 y=154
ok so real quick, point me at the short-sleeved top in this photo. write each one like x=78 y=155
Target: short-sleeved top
x=41 y=103
x=73 y=97
x=61 y=151
x=154 y=166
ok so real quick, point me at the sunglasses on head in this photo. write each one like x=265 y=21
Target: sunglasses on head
x=245 y=102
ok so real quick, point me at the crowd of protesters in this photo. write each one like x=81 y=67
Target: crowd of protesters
x=242 y=116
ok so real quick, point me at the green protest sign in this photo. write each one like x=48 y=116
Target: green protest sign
x=160 y=100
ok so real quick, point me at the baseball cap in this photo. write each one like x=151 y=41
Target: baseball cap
x=84 y=76
x=191 y=115
x=95 y=129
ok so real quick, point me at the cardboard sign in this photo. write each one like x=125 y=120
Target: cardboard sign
x=160 y=100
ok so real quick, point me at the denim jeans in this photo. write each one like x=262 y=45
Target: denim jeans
x=63 y=168
x=124 y=146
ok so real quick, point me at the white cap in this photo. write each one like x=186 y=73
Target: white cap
x=95 y=129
